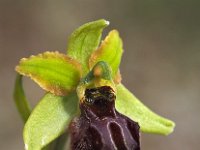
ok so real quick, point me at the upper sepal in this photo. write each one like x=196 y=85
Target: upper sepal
x=84 y=40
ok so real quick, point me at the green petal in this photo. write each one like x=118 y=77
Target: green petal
x=49 y=119
x=85 y=40
x=149 y=122
x=20 y=99
x=53 y=71
x=110 y=51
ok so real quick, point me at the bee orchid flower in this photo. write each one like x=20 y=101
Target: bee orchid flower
x=85 y=105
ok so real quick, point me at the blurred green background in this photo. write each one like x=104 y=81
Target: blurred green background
x=161 y=62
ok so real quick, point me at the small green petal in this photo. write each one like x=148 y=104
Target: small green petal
x=49 y=120
x=84 y=40
x=149 y=122
x=110 y=51
x=54 y=72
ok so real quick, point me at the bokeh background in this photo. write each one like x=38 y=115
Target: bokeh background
x=161 y=62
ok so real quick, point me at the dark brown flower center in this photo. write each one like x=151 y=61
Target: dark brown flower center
x=100 y=126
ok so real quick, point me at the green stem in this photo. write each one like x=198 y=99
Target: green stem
x=20 y=99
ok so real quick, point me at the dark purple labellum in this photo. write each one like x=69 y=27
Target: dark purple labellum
x=100 y=126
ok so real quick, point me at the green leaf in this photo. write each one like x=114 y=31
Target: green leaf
x=49 y=120
x=54 y=72
x=149 y=122
x=85 y=40
x=110 y=51
x=20 y=99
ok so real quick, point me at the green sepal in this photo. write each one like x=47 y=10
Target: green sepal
x=49 y=120
x=54 y=72
x=84 y=40
x=149 y=122
x=109 y=51
x=20 y=99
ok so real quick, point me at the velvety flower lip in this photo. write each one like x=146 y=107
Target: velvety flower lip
x=104 y=127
